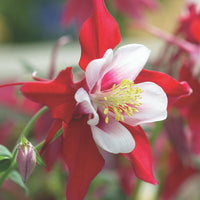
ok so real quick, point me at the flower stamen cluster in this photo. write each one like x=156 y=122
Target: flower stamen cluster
x=123 y=98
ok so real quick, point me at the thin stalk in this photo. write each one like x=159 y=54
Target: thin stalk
x=31 y=123
x=62 y=41
x=182 y=44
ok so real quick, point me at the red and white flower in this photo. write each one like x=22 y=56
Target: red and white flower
x=107 y=106
x=111 y=96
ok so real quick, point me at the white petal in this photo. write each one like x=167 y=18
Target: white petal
x=83 y=99
x=127 y=63
x=94 y=69
x=154 y=105
x=113 y=137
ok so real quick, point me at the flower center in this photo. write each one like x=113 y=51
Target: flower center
x=121 y=99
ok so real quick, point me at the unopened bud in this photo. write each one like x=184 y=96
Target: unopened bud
x=26 y=159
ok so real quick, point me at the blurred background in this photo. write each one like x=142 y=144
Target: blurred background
x=30 y=28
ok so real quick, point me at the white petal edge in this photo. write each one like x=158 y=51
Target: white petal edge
x=83 y=99
x=127 y=63
x=95 y=67
x=113 y=137
x=154 y=105
x=129 y=60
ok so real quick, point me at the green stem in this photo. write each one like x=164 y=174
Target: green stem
x=136 y=190
x=155 y=132
x=31 y=123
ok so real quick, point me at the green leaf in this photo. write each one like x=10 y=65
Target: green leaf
x=39 y=160
x=4 y=152
x=4 y=164
x=16 y=177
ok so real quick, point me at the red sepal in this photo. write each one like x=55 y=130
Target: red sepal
x=99 y=33
x=141 y=156
x=57 y=94
x=82 y=158
x=174 y=89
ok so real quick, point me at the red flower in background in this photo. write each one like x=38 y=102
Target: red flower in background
x=189 y=22
x=134 y=8
x=177 y=175
x=190 y=106
x=189 y=71
x=78 y=10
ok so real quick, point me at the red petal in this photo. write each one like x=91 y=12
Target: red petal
x=81 y=156
x=57 y=94
x=141 y=156
x=99 y=33
x=174 y=89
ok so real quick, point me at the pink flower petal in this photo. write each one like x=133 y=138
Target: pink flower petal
x=127 y=63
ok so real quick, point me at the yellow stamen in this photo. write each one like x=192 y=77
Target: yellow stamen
x=122 y=99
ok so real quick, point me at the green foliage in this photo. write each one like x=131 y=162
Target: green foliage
x=4 y=152
x=16 y=177
x=5 y=158
x=4 y=164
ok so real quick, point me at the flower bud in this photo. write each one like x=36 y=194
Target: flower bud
x=26 y=159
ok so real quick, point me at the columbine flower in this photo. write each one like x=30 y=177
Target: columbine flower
x=111 y=97
x=190 y=107
x=26 y=159
x=107 y=106
x=177 y=175
x=134 y=8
